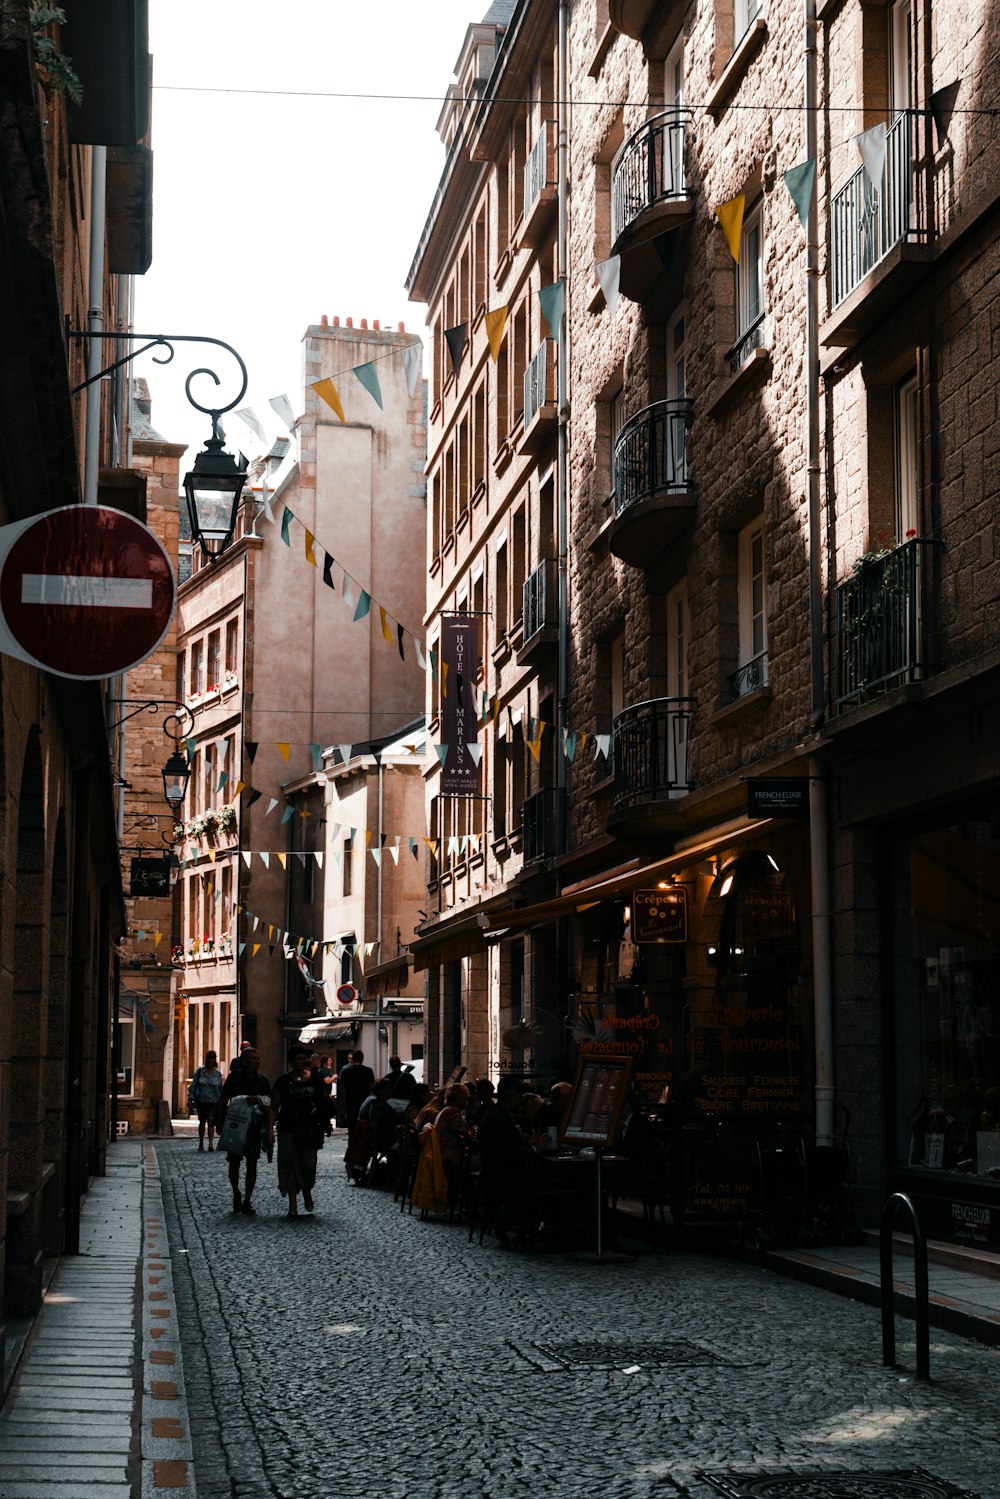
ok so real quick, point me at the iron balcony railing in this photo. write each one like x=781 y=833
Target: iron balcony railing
x=753 y=338
x=648 y=169
x=880 y=630
x=540 y=600
x=537 y=826
x=539 y=382
x=537 y=169
x=651 y=750
x=748 y=677
x=866 y=222
x=651 y=453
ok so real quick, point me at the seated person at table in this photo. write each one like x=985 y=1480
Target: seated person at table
x=502 y=1151
x=483 y=1098
x=555 y=1105
x=416 y=1105
x=451 y=1129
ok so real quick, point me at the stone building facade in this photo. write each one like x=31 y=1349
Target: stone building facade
x=779 y=577
x=61 y=908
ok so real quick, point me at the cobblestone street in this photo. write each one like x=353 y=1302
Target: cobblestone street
x=361 y=1352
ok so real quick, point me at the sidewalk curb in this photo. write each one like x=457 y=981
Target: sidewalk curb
x=166 y=1456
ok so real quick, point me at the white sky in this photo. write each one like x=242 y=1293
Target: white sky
x=270 y=211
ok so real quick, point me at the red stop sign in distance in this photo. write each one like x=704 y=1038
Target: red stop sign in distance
x=87 y=591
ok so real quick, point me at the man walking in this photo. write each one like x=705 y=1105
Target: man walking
x=353 y=1087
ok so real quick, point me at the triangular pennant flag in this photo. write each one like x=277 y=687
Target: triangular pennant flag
x=273 y=802
x=394 y=851
x=284 y=749
x=871 y=144
x=376 y=854
x=730 y=216
x=243 y=948
x=800 y=182
x=282 y=407
x=158 y=938
x=248 y=415
x=211 y=855
x=551 y=299
x=301 y=858
x=421 y=658
x=346 y=752
x=413 y=847
x=474 y=752
x=270 y=949
x=942 y=103
x=310 y=552
x=368 y=836
x=265 y=859
x=413 y=358
x=348 y=592
x=287 y=816
x=286 y=521
x=246 y=856
x=609 y=275
x=317 y=855
x=251 y=749
x=240 y=786
x=190 y=745
x=400 y=632
x=327 y=391
x=603 y=745
x=386 y=634
x=256 y=950
x=140 y=936
x=368 y=376
x=364 y=604
x=270 y=930
x=496 y=322
x=569 y=745
x=327 y=574
x=256 y=922
x=223 y=778
x=432 y=844
x=442 y=752
x=254 y=796
x=455 y=339
x=316 y=751
x=282 y=860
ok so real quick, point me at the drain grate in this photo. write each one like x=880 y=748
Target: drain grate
x=900 y=1483
x=592 y=1355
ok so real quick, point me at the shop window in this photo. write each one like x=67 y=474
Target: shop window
x=946 y=980
x=125 y=1049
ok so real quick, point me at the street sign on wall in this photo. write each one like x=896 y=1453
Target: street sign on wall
x=459 y=661
x=85 y=591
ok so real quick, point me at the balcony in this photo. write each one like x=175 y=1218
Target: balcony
x=750 y=676
x=538 y=826
x=650 y=763
x=649 y=196
x=878 y=242
x=654 y=498
x=540 y=397
x=655 y=23
x=540 y=185
x=540 y=614
x=880 y=625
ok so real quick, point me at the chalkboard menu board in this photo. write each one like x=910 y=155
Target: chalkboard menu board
x=600 y=1091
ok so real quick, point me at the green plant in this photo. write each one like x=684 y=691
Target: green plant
x=62 y=75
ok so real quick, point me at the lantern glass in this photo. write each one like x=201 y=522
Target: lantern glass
x=213 y=488
x=176 y=774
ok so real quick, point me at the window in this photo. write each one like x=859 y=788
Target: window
x=125 y=1047
x=907 y=459
x=750 y=273
x=500 y=596
x=214 y=661
x=348 y=870
x=752 y=611
x=900 y=56
x=617 y=675
x=232 y=638
x=745 y=12
x=196 y=676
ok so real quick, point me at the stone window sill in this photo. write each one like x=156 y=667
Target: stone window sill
x=734 y=71
x=745 y=704
x=728 y=387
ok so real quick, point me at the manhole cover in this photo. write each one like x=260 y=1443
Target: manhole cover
x=901 y=1483
x=584 y=1355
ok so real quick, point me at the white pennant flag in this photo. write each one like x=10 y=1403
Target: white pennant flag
x=602 y=744
x=609 y=274
x=265 y=859
x=349 y=598
x=256 y=922
x=282 y=407
x=271 y=806
x=369 y=949
x=394 y=850
x=346 y=751
x=376 y=854
x=871 y=144
x=319 y=858
x=249 y=416
x=474 y=752
x=413 y=359
x=245 y=856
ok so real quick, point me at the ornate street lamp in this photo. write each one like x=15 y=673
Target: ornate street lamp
x=213 y=488
x=176 y=774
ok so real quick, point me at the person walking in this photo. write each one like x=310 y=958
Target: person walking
x=402 y=1079
x=246 y=1082
x=297 y=1118
x=203 y=1097
x=353 y=1087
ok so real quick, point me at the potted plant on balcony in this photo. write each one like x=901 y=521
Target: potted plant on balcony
x=227 y=818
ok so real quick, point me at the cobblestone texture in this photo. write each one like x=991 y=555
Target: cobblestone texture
x=361 y=1352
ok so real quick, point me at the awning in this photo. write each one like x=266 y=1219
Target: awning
x=324 y=1030
x=450 y=939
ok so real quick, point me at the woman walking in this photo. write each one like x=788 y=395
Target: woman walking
x=252 y=1118
x=203 y=1096
x=297 y=1116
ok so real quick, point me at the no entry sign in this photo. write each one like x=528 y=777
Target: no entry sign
x=85 y=591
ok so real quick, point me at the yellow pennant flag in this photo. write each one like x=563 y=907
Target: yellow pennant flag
x=310 y=554
x=327 y=391
x=284 y=750
x=432 y=844
x=256 y=950
x=730 y=216
x=159 y=938
x=211 y=858
x=270 y=934
x=368 y=836
x=535 y=746
x=240 y=786
x=385 y=624
x=282 y=860
x=496 y=322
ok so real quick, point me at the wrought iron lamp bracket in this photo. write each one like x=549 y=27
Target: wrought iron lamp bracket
x=165 y=342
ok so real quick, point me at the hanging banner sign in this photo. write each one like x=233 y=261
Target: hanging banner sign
x=150 y=877
x=777 y=798
x=85 y=591
x=659 y=915
x=459 y=654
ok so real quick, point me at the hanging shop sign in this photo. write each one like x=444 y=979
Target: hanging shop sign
x=660 y=915
x=150 y=878
x=777 y=798
x=85 y=591
x=459 y=654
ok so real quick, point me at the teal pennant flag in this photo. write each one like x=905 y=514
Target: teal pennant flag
x=551 y=300
x=364 y=604
x=286 y=521
x=368 y=375
x=800 y=181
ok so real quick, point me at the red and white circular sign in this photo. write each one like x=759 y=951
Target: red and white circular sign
x=347 y=994
x=87 y=591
